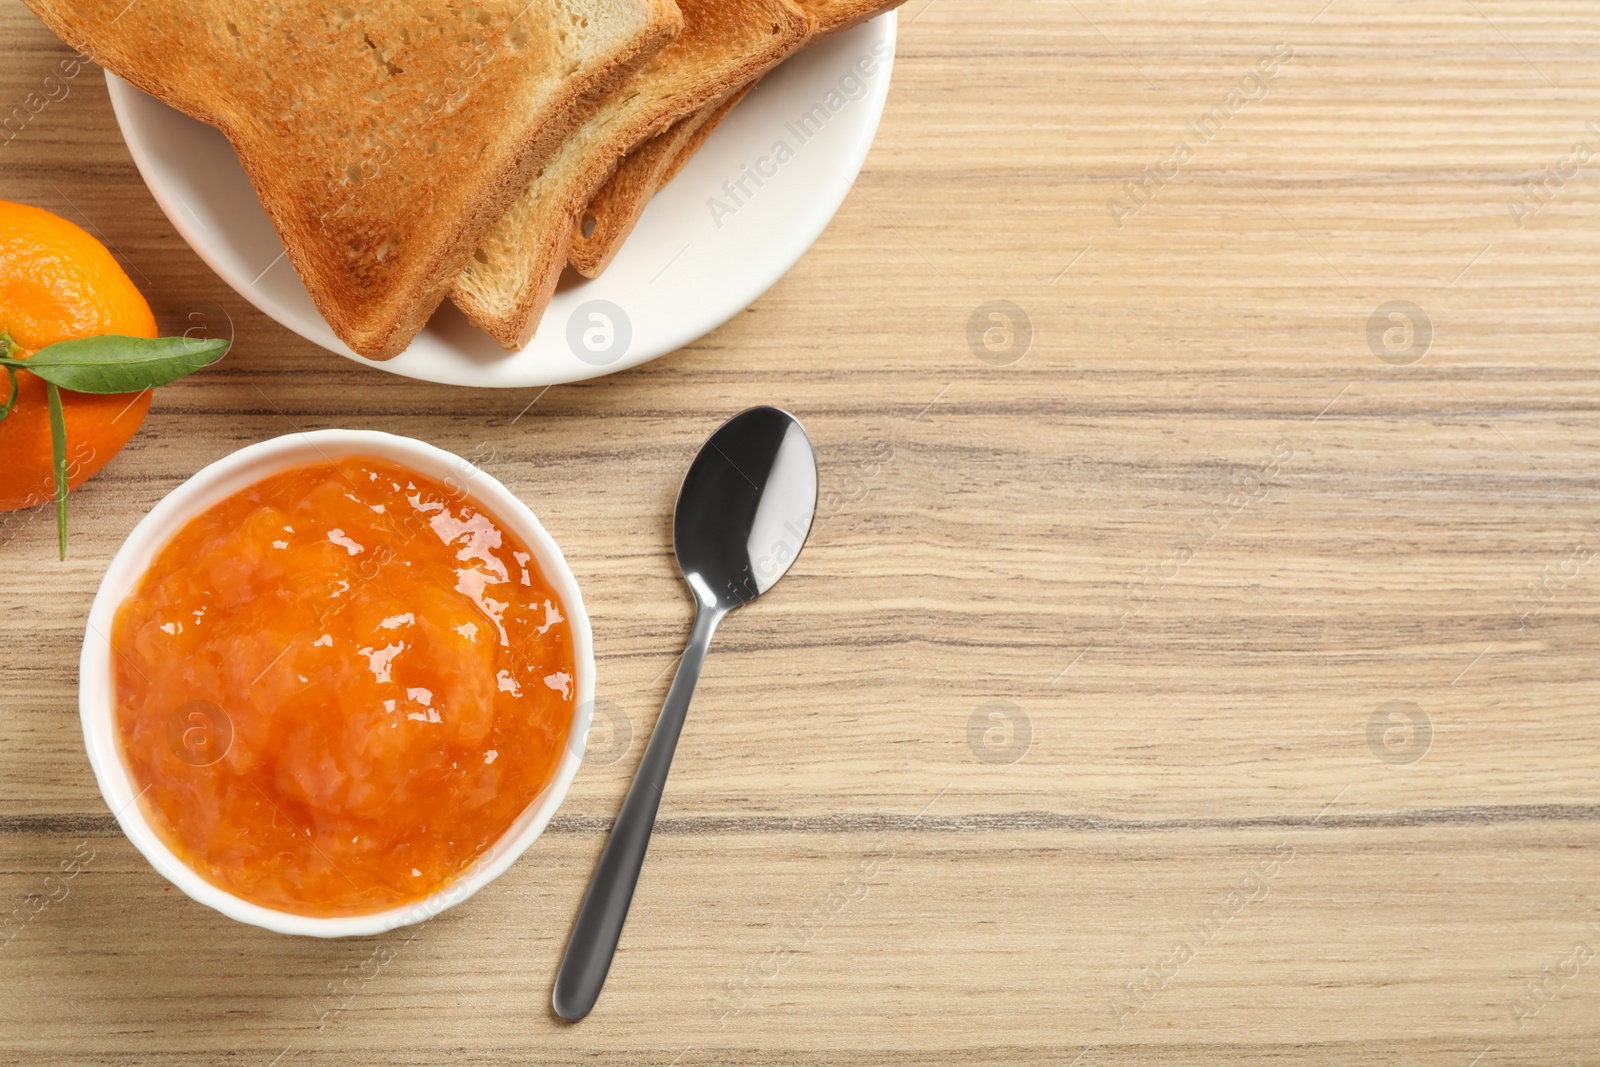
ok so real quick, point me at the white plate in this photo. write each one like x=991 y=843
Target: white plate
x=689 y=266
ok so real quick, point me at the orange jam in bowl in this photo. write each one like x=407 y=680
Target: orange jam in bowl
x=337 y=688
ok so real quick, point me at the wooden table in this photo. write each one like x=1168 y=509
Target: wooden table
x=1198 y=666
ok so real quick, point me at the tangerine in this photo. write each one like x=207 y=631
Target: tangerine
x=58 y=283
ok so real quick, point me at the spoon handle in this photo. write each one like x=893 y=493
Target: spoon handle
x=605 y=904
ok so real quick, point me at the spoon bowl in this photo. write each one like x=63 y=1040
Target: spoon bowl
x=745 y=507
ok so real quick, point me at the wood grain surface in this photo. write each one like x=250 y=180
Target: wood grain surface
x=1195 y=663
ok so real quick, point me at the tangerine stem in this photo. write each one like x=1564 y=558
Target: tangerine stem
x=58 y=460
x=11 y=372
x=11 y=402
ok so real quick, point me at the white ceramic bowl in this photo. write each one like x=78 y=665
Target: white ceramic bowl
x=225 y=477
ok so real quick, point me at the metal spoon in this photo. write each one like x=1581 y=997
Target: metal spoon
x=743 y=514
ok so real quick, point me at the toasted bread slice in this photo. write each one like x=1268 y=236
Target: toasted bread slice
x=724 y=44
x=617 y=207
x=383 y=139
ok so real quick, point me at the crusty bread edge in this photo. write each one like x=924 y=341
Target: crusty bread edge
x=714 y=116
x=621 y=201
x=861 y=11
x=638 y=175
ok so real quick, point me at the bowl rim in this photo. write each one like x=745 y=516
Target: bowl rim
x=224 y=477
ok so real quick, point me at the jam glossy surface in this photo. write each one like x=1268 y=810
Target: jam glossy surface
x=340 y=686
